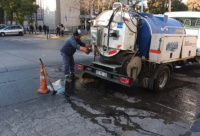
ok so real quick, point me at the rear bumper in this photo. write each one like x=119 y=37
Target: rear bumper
x=106 y=75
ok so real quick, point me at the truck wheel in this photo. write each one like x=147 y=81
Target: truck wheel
x=161 y=79
x=125 y=64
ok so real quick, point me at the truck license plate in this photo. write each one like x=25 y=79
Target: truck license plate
x=101 y=73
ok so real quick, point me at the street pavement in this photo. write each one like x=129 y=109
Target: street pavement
x=24 y=39
x=88 y=106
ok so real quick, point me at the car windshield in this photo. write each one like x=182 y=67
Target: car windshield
x=2 y=27
x=7 y=28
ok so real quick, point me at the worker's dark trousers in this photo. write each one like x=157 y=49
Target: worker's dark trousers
x=68 y=64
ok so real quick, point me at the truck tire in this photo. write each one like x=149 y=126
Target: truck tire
x=125 y=64
x=162 y=79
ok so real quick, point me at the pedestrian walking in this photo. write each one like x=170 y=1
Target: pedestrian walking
x=62 y=29
x=44 y=29
x=67 y=51
x=28 y=29
x=88 y=28
x=40 y=28
x=58 y=29
x=31 y=28
x=47 y=32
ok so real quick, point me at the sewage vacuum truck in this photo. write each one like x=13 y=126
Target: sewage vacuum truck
x=138 y=48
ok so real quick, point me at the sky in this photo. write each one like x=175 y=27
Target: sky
x=184 y=1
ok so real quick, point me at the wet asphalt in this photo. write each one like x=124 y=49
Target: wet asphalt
x=89 y=105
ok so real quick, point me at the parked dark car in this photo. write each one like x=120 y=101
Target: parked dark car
x=12 y=30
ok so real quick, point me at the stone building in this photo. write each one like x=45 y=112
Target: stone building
x=70 y=12
x=66 y=12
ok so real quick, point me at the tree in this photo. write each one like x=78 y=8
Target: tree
x=157 y=6
x=177 y=5
x=100 y=5
x=193 y=5
x=26 y=8
x=9 y=7
x=18 y=9
x=1 y=16
x=161 y=6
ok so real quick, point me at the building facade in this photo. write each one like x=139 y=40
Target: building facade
x=66 y=12
x=70 y=12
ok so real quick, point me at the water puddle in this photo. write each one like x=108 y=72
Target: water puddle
x=59 y=86
x=119 y=109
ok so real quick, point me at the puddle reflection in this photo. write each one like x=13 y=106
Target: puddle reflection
x=69 y=88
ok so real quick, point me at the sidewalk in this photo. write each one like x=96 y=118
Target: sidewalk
x=54 y=37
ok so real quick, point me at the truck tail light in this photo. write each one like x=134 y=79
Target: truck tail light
x=112 y=52
x=124 y=80
x=125 y=19
x=78 y=66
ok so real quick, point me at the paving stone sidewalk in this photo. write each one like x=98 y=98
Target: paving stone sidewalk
x=54 y=37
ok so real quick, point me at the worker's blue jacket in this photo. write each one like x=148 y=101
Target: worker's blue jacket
x=70 y=46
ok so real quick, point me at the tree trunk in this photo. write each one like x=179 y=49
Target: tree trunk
x=11 y=17
x=1 y=16
x=24 y=28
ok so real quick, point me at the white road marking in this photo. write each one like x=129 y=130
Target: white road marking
x=168 y=107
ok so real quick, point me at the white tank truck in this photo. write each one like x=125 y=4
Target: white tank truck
x=138 y=48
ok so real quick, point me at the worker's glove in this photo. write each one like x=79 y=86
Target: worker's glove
x=84 y=50
x=87 y=46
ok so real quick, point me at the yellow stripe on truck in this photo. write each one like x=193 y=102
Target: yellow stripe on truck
x=178 y=59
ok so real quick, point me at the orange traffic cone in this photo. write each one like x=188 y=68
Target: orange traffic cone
x=43 y=86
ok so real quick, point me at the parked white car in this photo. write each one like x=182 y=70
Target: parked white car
x=12 y=30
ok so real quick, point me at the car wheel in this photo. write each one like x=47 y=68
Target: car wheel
x=2 y=34
x=20 y=34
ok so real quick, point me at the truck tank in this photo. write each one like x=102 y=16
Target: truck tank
x=152 y=24
x=122 y=40
x=129 y=33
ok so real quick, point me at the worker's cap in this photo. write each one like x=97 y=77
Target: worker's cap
x=77 y=33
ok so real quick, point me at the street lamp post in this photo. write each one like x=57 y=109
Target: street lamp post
x=5 y=18
x=141 y=5
x=43 y=18
x=170 y=4
x=35 y=18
